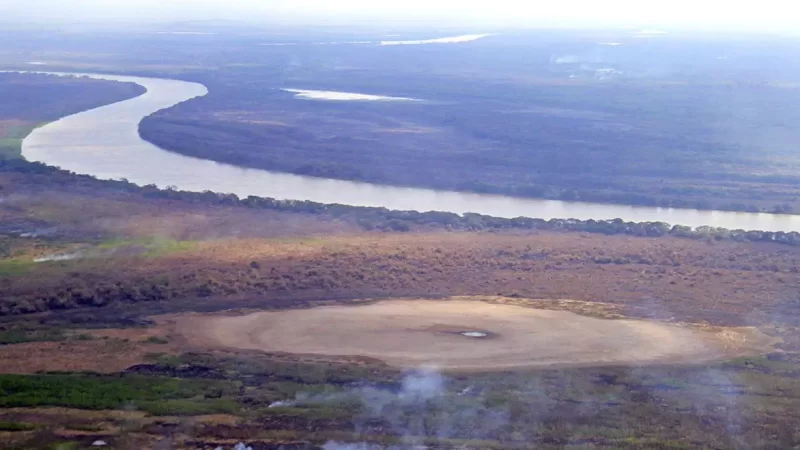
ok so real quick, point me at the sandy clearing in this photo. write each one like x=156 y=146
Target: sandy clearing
x=410 y=333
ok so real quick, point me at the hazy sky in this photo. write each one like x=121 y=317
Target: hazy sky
x=776 y=15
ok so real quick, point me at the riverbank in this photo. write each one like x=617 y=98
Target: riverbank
x=628 y=142
x=32 y=100
x=90 y=143
x=39 y=176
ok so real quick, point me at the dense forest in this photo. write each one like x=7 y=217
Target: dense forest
x=42 y=98
x=510 y=116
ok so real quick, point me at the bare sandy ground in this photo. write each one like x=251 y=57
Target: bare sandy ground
x=424 y=332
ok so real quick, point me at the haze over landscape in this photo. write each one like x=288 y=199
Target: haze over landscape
x=710 y=15
x=353 y=225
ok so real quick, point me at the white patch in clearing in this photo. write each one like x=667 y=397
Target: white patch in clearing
x=444 y=40
x=474 y=334
x=67 y=257
x=343 y=96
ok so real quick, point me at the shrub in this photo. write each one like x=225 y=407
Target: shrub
x=17 y=426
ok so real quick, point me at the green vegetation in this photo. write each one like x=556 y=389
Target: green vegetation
x=151 y=394
x=18 y=335
x=153 y=247
x=10 y=148
x=15 y=266
x=112 y=244
x=30 y=332
x=11 y=140
x=166 y=247
x=17 y=426
x=157 y=340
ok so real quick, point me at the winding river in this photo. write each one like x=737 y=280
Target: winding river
x=104 y=142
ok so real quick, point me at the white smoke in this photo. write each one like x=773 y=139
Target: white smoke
x=65 y=257
x=282 y=403
x=422 y=408
x=333 y=445
x=239 y=446
x=403 y=409
x=423 y=384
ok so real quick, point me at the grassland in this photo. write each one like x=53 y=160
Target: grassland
x=12 y=131
x=11 y=139
x=157 y=396
x=732 y=278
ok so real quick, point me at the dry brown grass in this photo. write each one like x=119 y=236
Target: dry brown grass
x=130 y=430
x=725 y=283
x=584 y=308
x=111 y=351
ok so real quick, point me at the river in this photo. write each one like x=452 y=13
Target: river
x=104 y=142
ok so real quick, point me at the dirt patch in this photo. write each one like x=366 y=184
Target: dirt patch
x=413 y=332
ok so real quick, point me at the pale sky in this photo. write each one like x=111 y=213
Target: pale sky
x=769 y=15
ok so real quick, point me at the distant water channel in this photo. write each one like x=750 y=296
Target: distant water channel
x=105 y=143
